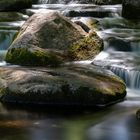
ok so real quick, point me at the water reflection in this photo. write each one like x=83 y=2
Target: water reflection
x=117 y=122
x=114 y=123
x=46 y=124
x=121 y=124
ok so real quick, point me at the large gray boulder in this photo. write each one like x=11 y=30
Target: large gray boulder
x=14 y=5
x=50 y=39
x=131 y=9
x=69 y=85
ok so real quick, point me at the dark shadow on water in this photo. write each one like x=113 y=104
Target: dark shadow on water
x=69 y=111
x=47 y=123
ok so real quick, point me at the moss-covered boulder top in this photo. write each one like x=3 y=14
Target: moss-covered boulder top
x=48 y=38
x=14 y=5
x=68 y=85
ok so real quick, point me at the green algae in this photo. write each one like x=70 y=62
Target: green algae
x=86 y=48
x=24 y=56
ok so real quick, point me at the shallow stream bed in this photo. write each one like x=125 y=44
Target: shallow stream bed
x=117 y=122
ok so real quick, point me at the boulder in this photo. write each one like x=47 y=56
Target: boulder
x=48 y=38
x=70 y=85
x=119 y=44
x=14 y=5
x=131 y=9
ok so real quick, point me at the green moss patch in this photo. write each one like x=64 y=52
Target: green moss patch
x=86 y=48
x=24 y=56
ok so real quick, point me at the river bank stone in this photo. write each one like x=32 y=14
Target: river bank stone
x=68 y=85
x=48 y=38
x=131 y=9
x=14 y=5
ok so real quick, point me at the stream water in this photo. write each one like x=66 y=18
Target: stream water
x=121 y=55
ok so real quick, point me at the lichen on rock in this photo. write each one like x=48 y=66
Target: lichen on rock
x=86 y=48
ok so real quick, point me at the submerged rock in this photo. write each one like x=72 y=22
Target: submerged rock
x=14 y=5
x=50 y=39
x=131 y=9
x=69 y=85
x=118 y=44
x=12 y=16
x=138 y=114
x=88 y=13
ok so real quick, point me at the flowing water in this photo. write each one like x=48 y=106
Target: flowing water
x=122 y=50
x=121 y=55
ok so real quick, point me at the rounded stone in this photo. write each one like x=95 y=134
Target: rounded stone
x=69 y=85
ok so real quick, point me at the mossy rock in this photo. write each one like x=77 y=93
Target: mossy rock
x=80 y=50
x=68 y=85
x=52 y=36
x=36 y=57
